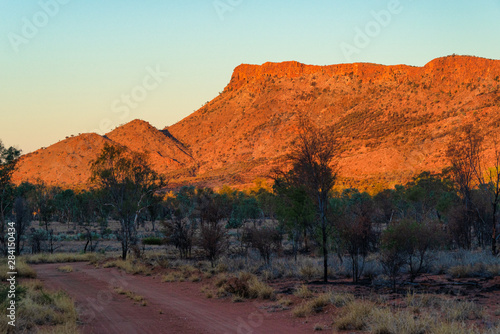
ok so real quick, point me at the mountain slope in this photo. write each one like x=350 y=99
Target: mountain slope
x=65 y=163
x=392 y=123
x=163 y=151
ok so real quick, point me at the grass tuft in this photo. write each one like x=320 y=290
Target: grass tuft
x=65 y=269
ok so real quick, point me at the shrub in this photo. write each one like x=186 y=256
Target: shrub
x=266 y=240
x=246 y=285
x=153 y=241
x=213 y=239
x=180 y=233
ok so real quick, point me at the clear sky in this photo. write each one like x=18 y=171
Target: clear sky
x=74 y=66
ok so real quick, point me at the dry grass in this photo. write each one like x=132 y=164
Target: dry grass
x=62 y=257
x=341 y=299
x=246 y=285
x=454 y=310
x=260 y=289
x=308 y=271
x=285 y=302
x=131 y=295
x=129 y=266
x=54 y=310
x=419 y=314
x=65 y=269
x=302 y=310
x=303 y=292
x=22 y=269
x=383 y=320
x=194 y=278
x=171 y=277
x=220 y=280
x=355 y=315
x=312 y=306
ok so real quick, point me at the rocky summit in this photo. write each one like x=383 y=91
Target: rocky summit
x=392 y=122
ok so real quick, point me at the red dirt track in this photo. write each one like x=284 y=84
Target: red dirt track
x=171 y=307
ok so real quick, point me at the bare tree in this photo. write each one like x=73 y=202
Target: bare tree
x=180 y=233
x=489 y=181
x=213 y=238
x=464 y=153
x=314 y=166
x=266 y=239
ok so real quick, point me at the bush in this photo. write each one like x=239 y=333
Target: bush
x=266 y=240
x=153 y=241
x=246 y=285
x=213 y=239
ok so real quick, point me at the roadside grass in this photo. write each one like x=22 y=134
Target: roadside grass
x=22 y=268
x=39 y=310
x=244 y=286
x=417 y=314
x=62 y=257
x=129 y=266
x=312 y=306
x=65 y=269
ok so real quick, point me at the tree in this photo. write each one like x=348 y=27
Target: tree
x=44 y=205
x=314 y=166
x=65 y=205
x=409 y=243
x=392 y=255
x=128 y=184
x=245 y=208
x=180 y=233
x=266 y=239
x=490 y=185
x=294 y=209
x=464 y=154
x=468 y=160
x=356 y=228
x=22 y=214
x=8 y=159
x=213 y=238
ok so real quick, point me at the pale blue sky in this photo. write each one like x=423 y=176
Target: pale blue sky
x=73 y=73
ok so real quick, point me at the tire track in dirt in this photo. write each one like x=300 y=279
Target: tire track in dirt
x=171 y=307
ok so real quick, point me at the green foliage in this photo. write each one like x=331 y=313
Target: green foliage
x=128 y=184
x=294 y=209
x=245 y=207
x=153 y=241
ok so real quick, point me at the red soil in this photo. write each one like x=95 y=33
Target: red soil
x=171 y=307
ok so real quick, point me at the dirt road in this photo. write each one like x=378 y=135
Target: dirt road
x=171 y=307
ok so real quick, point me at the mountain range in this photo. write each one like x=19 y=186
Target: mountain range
x=392 y=122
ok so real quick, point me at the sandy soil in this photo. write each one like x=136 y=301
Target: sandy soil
x=171 y=307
